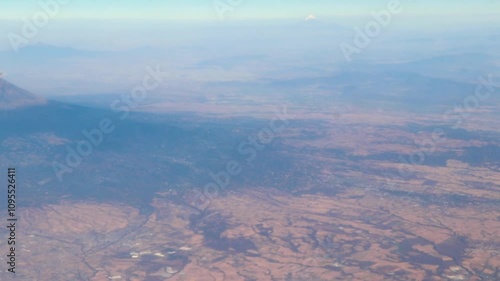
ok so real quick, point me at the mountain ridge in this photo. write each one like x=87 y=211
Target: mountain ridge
x=13 y=97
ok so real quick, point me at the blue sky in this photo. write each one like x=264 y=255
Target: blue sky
x=253 y=9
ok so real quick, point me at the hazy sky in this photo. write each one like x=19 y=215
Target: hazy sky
x=186 y=36
x=204 y=9
x=109 y=24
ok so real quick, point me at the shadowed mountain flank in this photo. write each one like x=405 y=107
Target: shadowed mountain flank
x=12 y=97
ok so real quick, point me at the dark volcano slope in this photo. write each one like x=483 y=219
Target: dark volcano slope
x=144 y=154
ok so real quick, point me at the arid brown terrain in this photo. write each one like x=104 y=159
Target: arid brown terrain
x=340 y=193
x=363 y=214
x=261 y=234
